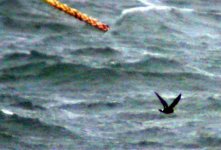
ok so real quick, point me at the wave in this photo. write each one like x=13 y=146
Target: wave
x=36 y=65
x=213 y=103
x=152 y=64
x=145 y=2
x=6 y=135
x=10 y=5
x=32 y=55
x=11 y=98
x=209 y=139
x=147 y=143
x=156 y=26
x=77 y=72
x=140 y=116
x=92 y=105
x=146 y=132
x=28 y=105
x=95 y=51
x=39 y=64
x=21 y=17
x=19 y=102
x=29 y=25
x=57 y=74
x=153 y=16
x=57 y=71
x=27 y=71
x=143 y=137
x=159 y=8
x=33 y=126
x=7 y=139
x=150 y=6
x=27 y=65
x=186 y=16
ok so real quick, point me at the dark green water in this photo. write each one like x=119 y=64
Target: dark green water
x=65 y=85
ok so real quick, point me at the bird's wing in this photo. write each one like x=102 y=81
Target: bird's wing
x=175 y=102
x=164 y=103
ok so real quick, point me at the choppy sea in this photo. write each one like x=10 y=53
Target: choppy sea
x=65 y=85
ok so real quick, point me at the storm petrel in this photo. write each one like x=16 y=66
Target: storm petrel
x=168 y=109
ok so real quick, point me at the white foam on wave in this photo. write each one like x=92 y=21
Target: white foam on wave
x=60 y=100
x=150 y=6
x=204 y=72
x=145 y=2
x=157 y=55
x=7 y=112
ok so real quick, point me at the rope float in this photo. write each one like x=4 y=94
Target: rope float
x=79 y=15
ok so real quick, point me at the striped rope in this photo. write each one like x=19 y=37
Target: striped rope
x=79 y=15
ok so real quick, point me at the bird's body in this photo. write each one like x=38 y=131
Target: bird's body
x=168 y=109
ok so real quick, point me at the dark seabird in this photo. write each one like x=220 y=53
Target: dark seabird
x=168 y=109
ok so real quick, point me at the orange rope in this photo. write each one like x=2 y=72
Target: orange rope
x=77 y=14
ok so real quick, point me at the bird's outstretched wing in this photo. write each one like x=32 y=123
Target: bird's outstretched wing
x=175 y=101
x=164 y=103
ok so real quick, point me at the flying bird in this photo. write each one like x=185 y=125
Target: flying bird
x=168 y=109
